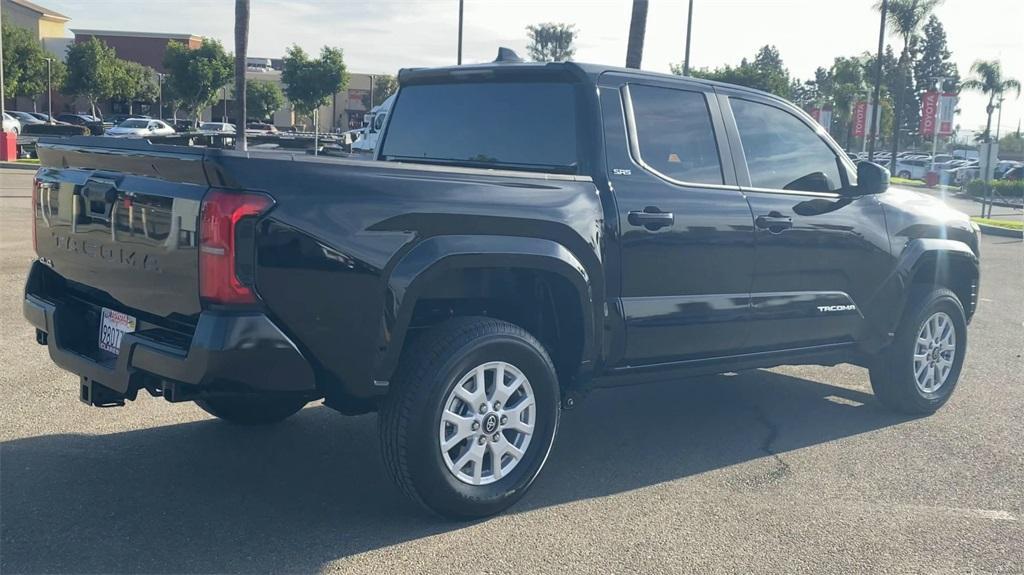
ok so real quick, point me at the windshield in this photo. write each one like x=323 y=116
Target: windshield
x=513 y=125
x=134 y=124
x=215 y=127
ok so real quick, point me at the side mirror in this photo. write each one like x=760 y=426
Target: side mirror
x=871 y=178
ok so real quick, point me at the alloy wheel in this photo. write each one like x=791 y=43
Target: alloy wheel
x=934 y=352
x=487 y=423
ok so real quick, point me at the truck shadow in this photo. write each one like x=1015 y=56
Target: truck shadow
x=210 y=497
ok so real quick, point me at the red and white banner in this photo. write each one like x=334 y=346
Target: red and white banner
x=929 y=110
x=860 y=119
x=939 y=108
x=947 y=108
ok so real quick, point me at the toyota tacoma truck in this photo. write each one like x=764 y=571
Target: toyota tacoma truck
x=523 y=234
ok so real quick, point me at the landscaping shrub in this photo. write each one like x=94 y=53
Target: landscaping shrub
x=1005 y=188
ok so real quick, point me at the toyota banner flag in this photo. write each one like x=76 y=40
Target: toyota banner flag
x=937 y=107
x=860 y=119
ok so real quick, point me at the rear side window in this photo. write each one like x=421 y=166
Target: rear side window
x=674 y=134
x=782 y=152
x=515 y=125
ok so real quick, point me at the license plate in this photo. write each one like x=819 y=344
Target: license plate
x=113 y=326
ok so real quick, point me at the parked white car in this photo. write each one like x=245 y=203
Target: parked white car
x=912 y=169
x=217 y=128
x=373 y=126
x=139 y=128
x=11 y=124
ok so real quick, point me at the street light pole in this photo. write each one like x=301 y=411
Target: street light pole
x=999 y=117
x=460 y=33
x=371 y=92
x=49 y=90
x=689 y=33
x=2 y=111
x=875 y=116
x=160 y=96
x=939 y=82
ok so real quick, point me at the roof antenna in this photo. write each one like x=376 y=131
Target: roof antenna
x=507 y=56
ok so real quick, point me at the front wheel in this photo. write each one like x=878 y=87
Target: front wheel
x=919 y=370
x=904 y=174
x=472 y=417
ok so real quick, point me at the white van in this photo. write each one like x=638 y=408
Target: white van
x=373 y=124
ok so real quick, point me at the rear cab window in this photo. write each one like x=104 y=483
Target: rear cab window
x=517 y=125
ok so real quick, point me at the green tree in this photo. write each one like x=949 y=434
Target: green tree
x=766 y=72
x=905 y=18
x=24 y=63
x=1012 y=143
x=196 y=75
x=92 y=70
x=383 y=87
x=551 y=42
x=988 y=79
x=846 y=87
x=171 y=98
x=934 y=60
x=134 y=82
x=263 y=99
x=309 y=83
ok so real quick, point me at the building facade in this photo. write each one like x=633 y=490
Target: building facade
x=146 y=48
x=42 y=22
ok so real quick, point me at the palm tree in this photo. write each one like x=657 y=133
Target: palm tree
x=241 y=47
x=989 y=80
x=637 y=30
x=905 y=17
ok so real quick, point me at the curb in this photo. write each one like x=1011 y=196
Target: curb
x=998 y=231
x=996 y=203
x=19 y=166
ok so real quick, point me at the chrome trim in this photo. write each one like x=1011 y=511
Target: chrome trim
x=792 y=192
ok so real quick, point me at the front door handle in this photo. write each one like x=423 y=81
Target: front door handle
x=774 y=222
x=651 y=218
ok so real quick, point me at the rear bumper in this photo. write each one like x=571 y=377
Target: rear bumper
x=229 y=353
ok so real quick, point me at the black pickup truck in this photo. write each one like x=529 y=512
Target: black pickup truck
x=523 y=234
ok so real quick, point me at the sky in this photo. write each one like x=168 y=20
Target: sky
x=381 y=36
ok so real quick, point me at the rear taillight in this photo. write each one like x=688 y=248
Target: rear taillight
x=222 y=254
x=35 y=209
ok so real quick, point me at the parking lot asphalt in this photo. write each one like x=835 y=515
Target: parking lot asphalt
x=789 y=470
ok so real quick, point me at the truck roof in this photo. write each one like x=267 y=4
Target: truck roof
x=580 y=71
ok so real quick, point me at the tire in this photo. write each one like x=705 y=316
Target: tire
x=251 y=410
x=427 y=386
x=894 y=373
x=904 y=174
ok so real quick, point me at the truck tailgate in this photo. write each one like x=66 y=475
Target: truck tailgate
x=123 y=227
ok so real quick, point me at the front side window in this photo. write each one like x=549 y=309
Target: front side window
x=782 y=152
x=512 y=125
x=674 y=134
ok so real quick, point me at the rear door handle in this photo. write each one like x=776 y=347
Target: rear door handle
x=774 y=222
x=651 y=219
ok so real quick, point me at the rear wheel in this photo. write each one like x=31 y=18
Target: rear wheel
x=904 y=174
x=472 y=417
x=251 y=410
x=919 y=370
